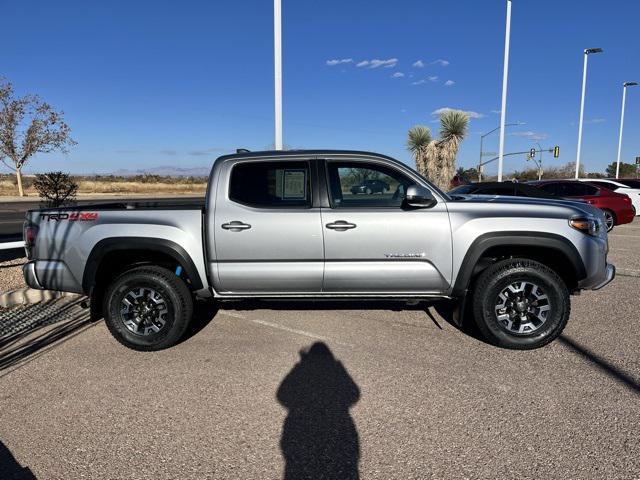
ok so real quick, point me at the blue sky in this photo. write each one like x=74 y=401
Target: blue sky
x=151 y=83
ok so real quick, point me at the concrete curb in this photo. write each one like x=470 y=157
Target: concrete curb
x=30 y=296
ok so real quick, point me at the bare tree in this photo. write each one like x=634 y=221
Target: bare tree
x=28 y=125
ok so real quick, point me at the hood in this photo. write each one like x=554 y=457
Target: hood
x=528 y=201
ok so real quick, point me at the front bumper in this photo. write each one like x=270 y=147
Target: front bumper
x=610 y=274
x=29 y=272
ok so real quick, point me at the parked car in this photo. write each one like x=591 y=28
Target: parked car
x=629 y=182
x=617 y=208
x=277 y=225
x=370 y=186
x=617 y=186
x=511 y=189
x=458 y=180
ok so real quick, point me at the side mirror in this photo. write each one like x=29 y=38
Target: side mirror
x=419 y=197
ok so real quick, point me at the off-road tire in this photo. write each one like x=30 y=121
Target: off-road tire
x=176 y=295
x=493 y=280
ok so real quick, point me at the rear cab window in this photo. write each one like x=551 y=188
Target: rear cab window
x=271 y=184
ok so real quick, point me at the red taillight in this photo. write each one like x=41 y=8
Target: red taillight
x=30 y=235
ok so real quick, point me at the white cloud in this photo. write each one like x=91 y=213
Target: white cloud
x=441 y=62
x=596 y=120
x=418 y=64
x=398 y=75
x=471 y=113
x=375 y=63
x=449 y=83
x=433 y=78
x=530 y=135
x=338 y=61
x=419 y=82
x=497 y=112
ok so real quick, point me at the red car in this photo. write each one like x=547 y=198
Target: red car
x=617 y=208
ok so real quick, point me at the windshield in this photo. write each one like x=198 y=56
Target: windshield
x=462 y=190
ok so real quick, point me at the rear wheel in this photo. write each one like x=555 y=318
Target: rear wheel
x=609 y=219
x=520 y=304
x=148 y=308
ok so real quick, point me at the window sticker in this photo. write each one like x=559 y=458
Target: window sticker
x=294 y=186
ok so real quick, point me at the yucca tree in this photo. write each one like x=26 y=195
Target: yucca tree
x=453 y=129
x=418 y=140
x=441 y=154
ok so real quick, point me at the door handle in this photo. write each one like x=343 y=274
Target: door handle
x=236 y=226
x=340 y=226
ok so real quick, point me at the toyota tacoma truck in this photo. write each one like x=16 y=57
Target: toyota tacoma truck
x=288 y=225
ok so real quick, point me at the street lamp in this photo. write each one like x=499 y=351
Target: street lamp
x=624 y=99
x=482 y=142
x=277 y=71
x=587 y=52
x=505 y=76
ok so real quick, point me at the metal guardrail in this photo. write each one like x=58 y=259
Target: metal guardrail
x=11 y=245
x=11 y=242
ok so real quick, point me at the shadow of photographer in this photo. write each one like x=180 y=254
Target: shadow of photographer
x=10 y=469
x=319 y=437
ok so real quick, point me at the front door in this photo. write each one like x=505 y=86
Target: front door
x=267 y=236
x=374 y=244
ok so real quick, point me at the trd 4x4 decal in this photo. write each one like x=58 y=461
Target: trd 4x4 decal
x=71 y=217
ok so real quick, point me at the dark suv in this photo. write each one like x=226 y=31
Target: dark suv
x=370 y=186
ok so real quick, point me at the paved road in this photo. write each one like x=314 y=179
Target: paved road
x=392 y=393
x=12 y=213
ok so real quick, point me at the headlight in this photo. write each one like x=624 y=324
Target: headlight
x=586 y=225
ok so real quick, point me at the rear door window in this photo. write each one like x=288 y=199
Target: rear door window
x=271 y=184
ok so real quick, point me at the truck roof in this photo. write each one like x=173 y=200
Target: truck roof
x=289 y=153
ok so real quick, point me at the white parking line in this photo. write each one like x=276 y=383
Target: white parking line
x=620 y=235
x=286 y=329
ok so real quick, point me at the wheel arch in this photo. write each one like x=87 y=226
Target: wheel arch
x=146 y=250
x=553 y=250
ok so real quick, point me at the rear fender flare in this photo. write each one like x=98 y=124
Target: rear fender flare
x=161 y=245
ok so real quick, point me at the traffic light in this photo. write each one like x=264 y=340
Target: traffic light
x=532 y=153
x=556 y=151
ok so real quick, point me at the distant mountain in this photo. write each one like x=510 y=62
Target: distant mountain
x=166 y=171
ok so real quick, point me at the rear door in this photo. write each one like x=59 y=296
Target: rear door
x=266 y=232
x=373 y=244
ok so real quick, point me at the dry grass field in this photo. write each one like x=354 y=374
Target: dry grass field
x=142 y=185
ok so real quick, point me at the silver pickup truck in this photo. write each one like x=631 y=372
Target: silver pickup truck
x=311 y=224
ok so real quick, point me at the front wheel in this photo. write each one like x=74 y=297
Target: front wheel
x=609 y=219
x=148 y=308
x=520 y=304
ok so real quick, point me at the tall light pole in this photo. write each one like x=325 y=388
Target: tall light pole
x=587 y=52
x=277 y=74
x=505 y=76
x=624 y=99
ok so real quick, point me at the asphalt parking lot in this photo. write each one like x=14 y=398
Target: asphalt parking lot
x=266 y=391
